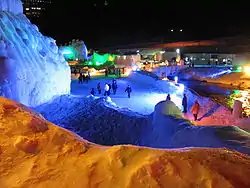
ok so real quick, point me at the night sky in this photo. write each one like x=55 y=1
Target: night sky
x=128 y=22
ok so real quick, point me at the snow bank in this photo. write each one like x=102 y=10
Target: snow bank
x=13 y=6
x=168 y=70
x=96 y=120
x=202 y=73
x=32 y=70
x=216 y=75
x=36 y=153
x=235 y=79
x=100 y=122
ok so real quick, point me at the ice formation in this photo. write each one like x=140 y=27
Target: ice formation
x=32 y=71
x=75 y=50
x=36 y=153
x=13 y=6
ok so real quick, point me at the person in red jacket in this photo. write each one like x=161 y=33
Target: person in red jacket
x=195 y=110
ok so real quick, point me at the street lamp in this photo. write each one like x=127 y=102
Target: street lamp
x=178 y=51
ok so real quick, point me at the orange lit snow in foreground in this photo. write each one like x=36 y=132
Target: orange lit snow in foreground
x=37 y=154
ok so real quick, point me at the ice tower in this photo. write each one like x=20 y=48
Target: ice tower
x=32 y=70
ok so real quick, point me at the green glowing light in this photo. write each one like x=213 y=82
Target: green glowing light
x=100 y=60
x=68 y=53
x=236 y=92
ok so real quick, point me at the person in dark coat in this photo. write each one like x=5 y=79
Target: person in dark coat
x=168 y=97
x=119 y=72
x=86 y=78
x=83 y=78
x=92 y=92
x=128 y=90
x=184 y=103
x=106 y=72
x=114 y=87
x=99 y=89
x=80 y=78
x=89 y=77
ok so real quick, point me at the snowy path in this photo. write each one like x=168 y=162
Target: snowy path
x=144 y=97
x=147 y=92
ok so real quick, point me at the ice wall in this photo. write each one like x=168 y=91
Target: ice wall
x=32 y=71
x=13 y=6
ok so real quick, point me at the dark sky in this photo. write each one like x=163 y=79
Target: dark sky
x=128 y=22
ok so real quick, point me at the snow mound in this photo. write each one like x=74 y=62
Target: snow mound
x=167 y=108
x=96 y=120
x=36 y=153
x=201 y=73
x=103 y=123
x=32 y=71
x=13 y=6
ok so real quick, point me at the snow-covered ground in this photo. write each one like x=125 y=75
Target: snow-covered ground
x=102 y=122
x=147 y=92
x=217 y=75
x=234 y=79
x=238 y=82
x=203 y=73
x=36 y=153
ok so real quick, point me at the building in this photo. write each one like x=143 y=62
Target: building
x=230 y=50
x=34 y=8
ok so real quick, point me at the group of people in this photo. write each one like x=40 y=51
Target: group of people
x=82 y=78
x=194 y=109
x=108 y=87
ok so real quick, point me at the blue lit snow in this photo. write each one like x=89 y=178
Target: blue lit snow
x=133 y=121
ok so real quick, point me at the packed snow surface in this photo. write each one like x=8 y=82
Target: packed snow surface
x=13 y=6
x=102 y=122
x=36 y=153
x=32 y=71
x=202 y=73
x=148 y=91
x=235 y=79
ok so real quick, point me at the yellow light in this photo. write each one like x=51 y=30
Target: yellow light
x=111 y=58
x=128 y=71
x=247 y=70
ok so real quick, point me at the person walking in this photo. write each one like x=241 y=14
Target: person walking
x=106 y=89
x=80 y=78
x=168 y=97
x=128 y=90
x=114 y=87
x=184 y=103
x=89 y=77
x=110 y=87
x=195 y=110
x=99 y=89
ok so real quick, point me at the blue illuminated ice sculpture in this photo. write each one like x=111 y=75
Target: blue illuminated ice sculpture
x=32 y=71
